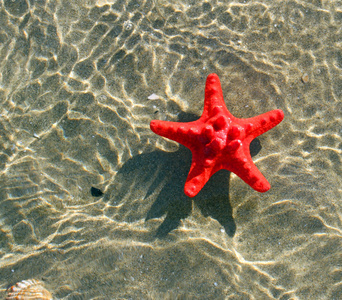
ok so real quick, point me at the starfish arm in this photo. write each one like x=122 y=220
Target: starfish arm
x=183 y=133
x=250 y=174
x=254 y=179
x=197 y=177
x=260 y=124
x=213 y=97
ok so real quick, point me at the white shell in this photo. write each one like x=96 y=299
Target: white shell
x=30 y=289
x=153 y=97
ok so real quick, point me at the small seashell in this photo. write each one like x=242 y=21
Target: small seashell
x=30 y=289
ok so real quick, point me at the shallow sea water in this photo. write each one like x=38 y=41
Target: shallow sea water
x=75 y=84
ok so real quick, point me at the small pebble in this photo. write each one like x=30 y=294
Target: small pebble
x=96 y=192
x=305 y=78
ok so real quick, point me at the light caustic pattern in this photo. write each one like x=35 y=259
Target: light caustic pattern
x=76 y=86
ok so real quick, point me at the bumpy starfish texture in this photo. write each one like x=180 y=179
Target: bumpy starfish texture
x=218 y=140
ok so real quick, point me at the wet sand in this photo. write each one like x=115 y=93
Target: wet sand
x=76 y=79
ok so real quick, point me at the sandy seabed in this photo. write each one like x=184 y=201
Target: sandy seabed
x=76 y=79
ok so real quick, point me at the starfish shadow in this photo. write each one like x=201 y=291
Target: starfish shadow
x=212 y=200
x=163 y=174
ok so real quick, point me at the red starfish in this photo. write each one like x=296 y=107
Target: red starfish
x=218 y=140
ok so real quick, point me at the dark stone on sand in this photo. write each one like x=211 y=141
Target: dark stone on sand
x=96 y=192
